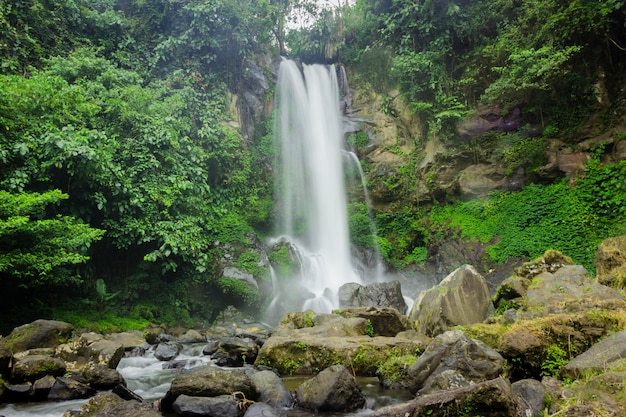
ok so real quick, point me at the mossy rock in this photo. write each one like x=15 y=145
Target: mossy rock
x=308 y=356
x=528 y=344
x=550 y=261
x=610 y=262
x=38 y=334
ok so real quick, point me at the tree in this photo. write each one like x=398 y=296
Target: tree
x=40 y=247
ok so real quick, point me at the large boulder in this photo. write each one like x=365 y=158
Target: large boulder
x=167 y=351
x=38 y=334
x=16 y=393
x=32 y=367
x=210 y=381
x=493 y=398
x=461 y=298
x=100 y=350
x=541 y=345
x=333 y=389
x=598 y=357
x=130 y=339
x=568 y=289
x=532 y=396
x=235 y=351
x=610 y=262
x=380 y=321
x=306 y=350
x=109 y=405
x=101 y=377
x=320 y=324
x=378 y=294
x=272 y=390
x=42 y=387
x=220 y=406
x=65 y=389
x=6 y=357
x=453 y=360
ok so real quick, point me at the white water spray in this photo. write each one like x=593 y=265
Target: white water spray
x=311 y=192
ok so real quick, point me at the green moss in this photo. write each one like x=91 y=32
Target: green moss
x=395 y=368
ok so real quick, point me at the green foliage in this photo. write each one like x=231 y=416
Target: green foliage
x=555 y=359
x=107 y=322
x=369 y=330
x=358 y=140
x=251 y=262
x=528 y=153
x=147 y=158
x=39 y=247
x=396 y=367
x=401 y=238
x=604 y=188
x=529 y=222
x=446 y=55
x=239 y=291
x=361 y=227
x=281 y=261
x=529 y=71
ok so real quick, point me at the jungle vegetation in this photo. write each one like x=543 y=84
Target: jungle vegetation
x=120 y=171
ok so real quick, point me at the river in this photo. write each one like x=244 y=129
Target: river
x=146 y=377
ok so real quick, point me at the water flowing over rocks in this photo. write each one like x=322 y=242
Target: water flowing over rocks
x=167 y=351
x=461 y=298
x=263 y=410
x=554 y=342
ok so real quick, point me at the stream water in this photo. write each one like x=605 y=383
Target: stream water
x=146 y=377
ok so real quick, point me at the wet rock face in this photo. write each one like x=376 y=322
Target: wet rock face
x=235 y=351
x=333 y=389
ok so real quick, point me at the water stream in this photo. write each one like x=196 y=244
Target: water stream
x=146 y=376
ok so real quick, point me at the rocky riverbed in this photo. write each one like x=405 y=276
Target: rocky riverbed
x=550 y=340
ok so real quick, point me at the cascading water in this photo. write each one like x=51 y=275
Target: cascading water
x=310 y=186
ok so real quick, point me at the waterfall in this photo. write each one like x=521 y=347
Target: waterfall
x=311 y=197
